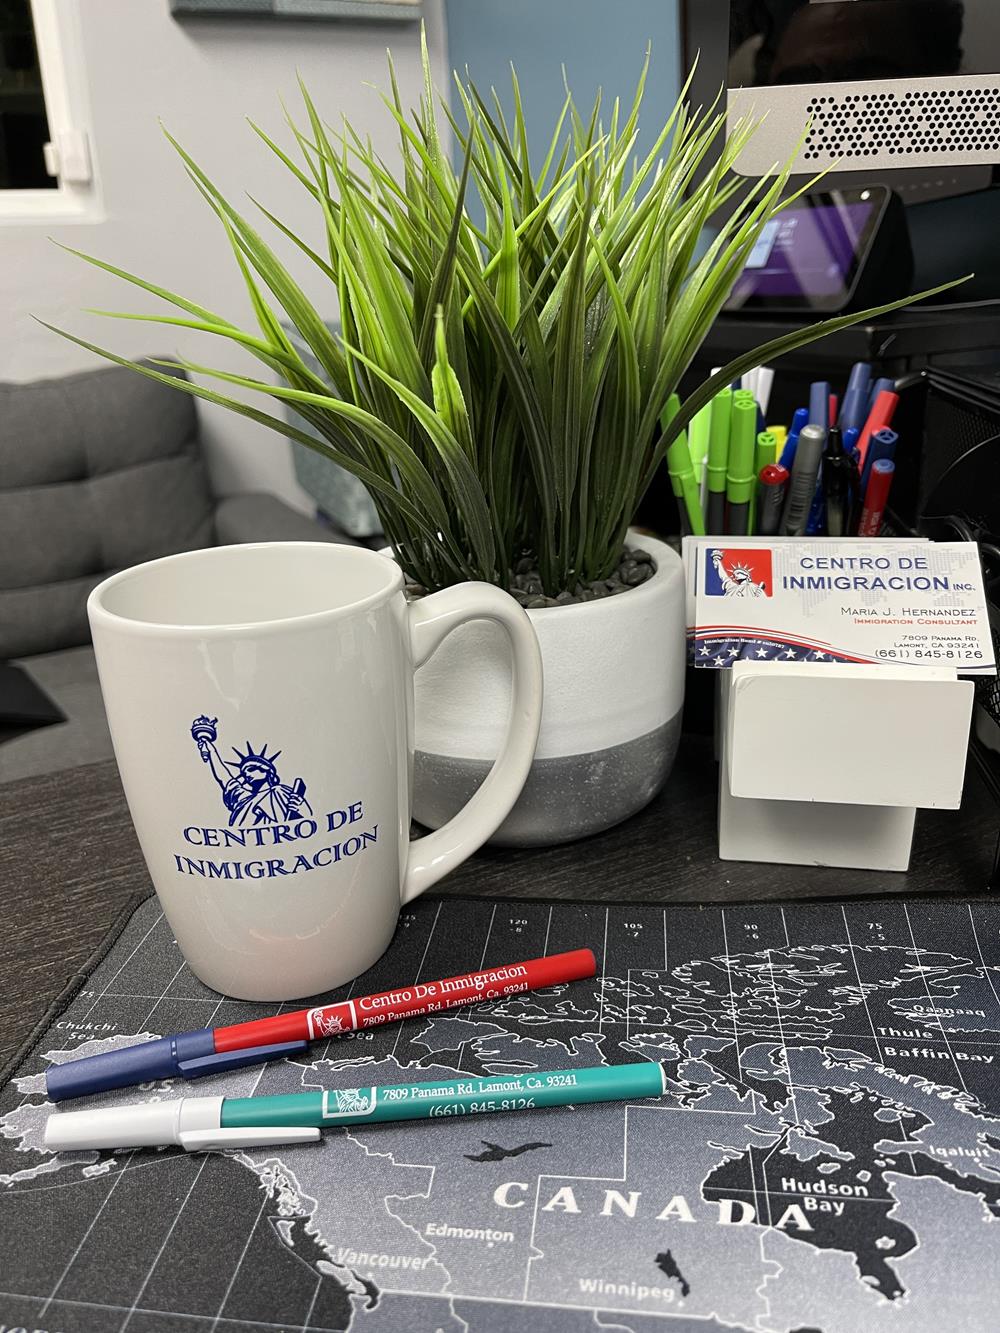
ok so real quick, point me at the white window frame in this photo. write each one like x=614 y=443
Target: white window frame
x=59 y=40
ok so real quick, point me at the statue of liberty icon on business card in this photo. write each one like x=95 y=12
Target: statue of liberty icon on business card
x=252 y=791
x=739 y=573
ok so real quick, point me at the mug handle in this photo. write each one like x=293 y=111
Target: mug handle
x=431 y=620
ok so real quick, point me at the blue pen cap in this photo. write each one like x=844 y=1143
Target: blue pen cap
x=854 y=411
x=799 y=421
x=819 y=404
x=881 y=445
x=186 y=1055
x=132 y=1064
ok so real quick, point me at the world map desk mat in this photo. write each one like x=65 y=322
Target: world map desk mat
x=827 y=1156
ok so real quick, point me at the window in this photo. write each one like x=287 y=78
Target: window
x=45 y=166
x=24 y=125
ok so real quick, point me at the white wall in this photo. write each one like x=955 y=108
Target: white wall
x=202 y=78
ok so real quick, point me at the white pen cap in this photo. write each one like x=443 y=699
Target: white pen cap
x=134 y=1125
x=192 y=1123
x=765 y=383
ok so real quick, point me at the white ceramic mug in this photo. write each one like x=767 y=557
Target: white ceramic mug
x=260 y=700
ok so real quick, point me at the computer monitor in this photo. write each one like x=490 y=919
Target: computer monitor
x=867 y=85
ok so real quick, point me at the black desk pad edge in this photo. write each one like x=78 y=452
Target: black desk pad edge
x=74 y=983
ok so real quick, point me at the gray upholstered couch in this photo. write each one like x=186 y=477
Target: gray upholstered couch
x=99 y=471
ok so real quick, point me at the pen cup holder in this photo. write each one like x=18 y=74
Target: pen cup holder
x=828 y=764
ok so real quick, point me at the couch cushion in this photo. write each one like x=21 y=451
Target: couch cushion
x=70 y=679
x=97 y=471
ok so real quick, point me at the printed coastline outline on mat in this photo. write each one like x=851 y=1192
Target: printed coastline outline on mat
x=827 y=1154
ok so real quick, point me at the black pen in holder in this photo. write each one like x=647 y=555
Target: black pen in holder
x=840 y=485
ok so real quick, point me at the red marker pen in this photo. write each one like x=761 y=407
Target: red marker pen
x=876 y=497
x=409 y=1001
x=772 y=484
x=879 y=418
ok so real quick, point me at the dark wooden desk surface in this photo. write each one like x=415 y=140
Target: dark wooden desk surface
x=69 y=861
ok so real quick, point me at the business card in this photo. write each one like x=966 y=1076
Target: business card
x=904 y=603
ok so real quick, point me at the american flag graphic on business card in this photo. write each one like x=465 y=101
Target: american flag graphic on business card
x=718 y=647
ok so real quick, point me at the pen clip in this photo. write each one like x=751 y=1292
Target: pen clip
x=247 y=1055
x=249 y=1136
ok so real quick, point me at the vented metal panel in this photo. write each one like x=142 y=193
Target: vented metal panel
x=905 y=123
x=953 y=120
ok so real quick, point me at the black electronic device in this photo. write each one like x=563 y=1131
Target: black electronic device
x=872 y=83
x=728 y=44
x=23 y=703
x=830 y=251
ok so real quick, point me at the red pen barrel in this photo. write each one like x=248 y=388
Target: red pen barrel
x=880 y=418
x=370 y=1011
x=262 y=1032
x=876 y=498
x=559 y=968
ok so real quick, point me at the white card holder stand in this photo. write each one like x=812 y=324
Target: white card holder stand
x=827 y=764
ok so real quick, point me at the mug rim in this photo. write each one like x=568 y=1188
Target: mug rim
x=98 y=612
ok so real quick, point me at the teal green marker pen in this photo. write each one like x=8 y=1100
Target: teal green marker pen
x=681 y=471
x=232 y=1122
x=740 y=477
x=698 y=436
x=718 y=459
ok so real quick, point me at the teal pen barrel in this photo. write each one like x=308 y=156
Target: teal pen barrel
x=452 y=1097
x=298 y=1108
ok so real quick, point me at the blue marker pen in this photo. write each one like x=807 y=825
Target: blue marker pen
x=819 y=405
x=854 y=412
x=816 y=522
x=800 y=419
x=883 y=445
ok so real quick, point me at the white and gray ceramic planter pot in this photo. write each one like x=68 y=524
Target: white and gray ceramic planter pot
x=611 y=718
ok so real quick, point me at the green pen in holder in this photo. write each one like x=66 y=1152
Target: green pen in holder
x=764 y=456
x=698 y=437
x=683 y=481
x=740 y=475
x=718 y=460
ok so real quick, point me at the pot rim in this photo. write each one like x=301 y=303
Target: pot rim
x=668 y=564
x=664 y=570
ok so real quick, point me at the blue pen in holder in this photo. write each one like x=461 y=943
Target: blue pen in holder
x=881 y=445
x=854 y=412
x=800 y=419
x=819 y=404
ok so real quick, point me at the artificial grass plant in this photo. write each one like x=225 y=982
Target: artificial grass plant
x=497 y=384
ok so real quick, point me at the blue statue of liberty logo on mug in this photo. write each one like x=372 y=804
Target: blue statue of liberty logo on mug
x=252 y=791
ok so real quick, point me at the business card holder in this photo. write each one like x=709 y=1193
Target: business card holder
x=828 y=764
